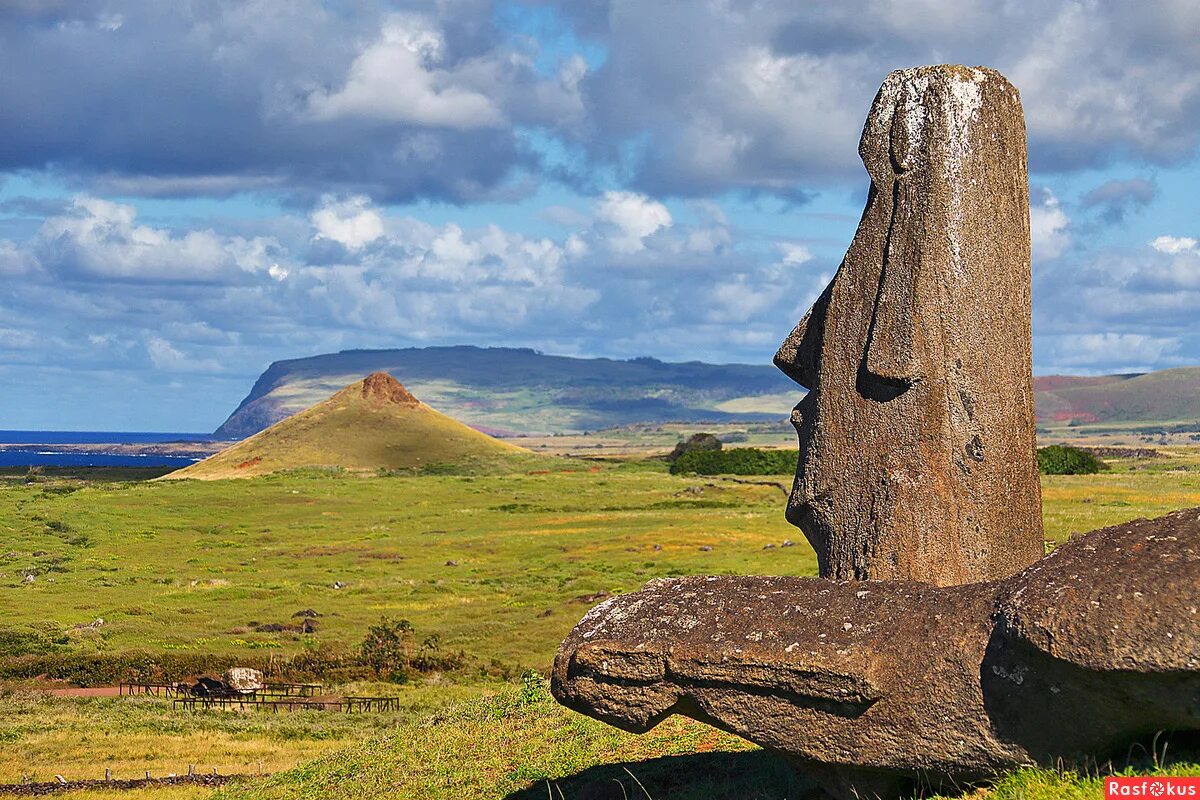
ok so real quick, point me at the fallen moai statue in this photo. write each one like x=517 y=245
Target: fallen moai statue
x=946 y=648
x=870 y=686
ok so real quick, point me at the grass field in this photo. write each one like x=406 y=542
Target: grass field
x=192 y=568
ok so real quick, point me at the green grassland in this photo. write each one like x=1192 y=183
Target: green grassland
x=186 y=568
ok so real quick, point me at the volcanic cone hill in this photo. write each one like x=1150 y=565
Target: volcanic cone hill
x=370 y=425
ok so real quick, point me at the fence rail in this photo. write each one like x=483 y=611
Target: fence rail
x=349 y=705
x=157 y=689
x=183 y=689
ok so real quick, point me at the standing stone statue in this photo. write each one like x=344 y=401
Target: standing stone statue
x=917 y=448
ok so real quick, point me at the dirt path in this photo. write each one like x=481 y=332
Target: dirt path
x=93 y=691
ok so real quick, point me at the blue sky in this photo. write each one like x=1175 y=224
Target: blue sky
x=189 y=192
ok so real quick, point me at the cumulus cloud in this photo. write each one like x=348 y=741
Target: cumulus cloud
x=446 y=100
x=1117 y=309
x=1049 y=225
x=1089 y=351
x=168 y=358
x=125 y=293
x=349 y=222
x=632 y=218
x=770 y=97
x=401 y=78
x=13 y=261
x=794 y=254
x=99 y=239
x=285 y=97
x=1174 y=245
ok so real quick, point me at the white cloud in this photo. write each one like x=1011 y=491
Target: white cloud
x=101 y=239
x=398 y=78
x=166 y=357
x=351 y=222
x=793 y=254
x=1048 y=228
x=1174 y=245
x=13 y=260
x=1110 y=350
x=632 y=218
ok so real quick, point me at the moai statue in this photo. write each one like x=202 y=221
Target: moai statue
x=917 y=448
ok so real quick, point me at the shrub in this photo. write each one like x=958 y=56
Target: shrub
x=1061 y=459
x=389 y=652
x=739 y=461
x=30 y=642
x=388 y=647
x=700 y=442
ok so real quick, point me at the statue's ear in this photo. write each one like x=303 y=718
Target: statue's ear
x=890 y=347
x=799 y=356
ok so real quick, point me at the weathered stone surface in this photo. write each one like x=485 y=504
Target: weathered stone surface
x=244 y=679
x=870 y=685
x=917 y=435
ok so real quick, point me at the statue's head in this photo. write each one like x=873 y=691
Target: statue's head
x=916 y=434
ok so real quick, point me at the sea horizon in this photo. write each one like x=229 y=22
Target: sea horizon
x=37 y=448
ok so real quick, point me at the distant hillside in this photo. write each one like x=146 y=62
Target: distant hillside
x=372 y=424
x=1163 y=396
x=506 y=390
x=521 y=391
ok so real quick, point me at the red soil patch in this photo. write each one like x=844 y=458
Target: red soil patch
x=93 y=691
x=1078 y=416
x=381 y=387
x=252 y=462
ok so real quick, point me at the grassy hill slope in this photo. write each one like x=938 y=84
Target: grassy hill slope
x=1166 y=395
x=372 y=424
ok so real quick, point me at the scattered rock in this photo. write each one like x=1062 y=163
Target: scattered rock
x=788 y=543
x=769 y=546
x=39 y=553
x=244 y=679
x=705 y=548
x=338 y=585
x=307 y=612
x=657 y=547
x=594 y=597
x=452 y=563
x=917 y=434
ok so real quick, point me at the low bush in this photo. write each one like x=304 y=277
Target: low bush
x=700 y=442
x=390 y=651
x=737 y=461
x=1061 y=459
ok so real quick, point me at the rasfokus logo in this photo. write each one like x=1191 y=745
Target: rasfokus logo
x=1152 y=788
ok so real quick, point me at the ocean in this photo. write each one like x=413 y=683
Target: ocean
x=37 y=449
